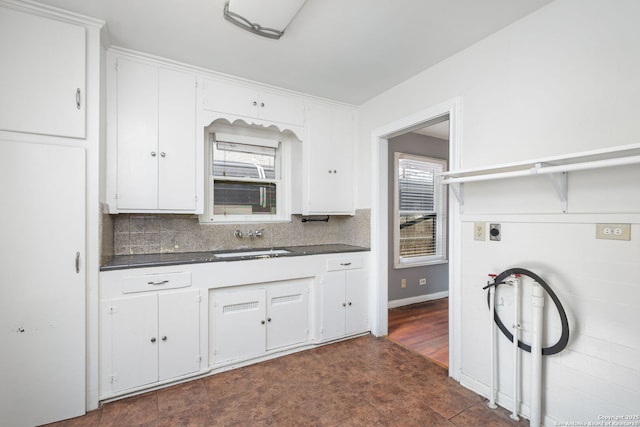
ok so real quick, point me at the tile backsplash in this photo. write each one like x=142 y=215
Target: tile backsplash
x=158 y=233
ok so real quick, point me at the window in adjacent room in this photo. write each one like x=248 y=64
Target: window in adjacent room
x=245 y=178
x=420 y=211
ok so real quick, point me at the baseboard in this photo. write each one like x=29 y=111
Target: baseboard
x=417 y=299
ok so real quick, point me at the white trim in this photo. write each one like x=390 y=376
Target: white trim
x=417 y=299
x=379 y=225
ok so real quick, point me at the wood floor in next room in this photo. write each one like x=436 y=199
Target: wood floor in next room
x=423 y=327
x=365 y=381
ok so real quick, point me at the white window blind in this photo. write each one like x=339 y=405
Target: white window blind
x=419 y=216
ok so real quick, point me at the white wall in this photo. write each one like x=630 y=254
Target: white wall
x=562 y=80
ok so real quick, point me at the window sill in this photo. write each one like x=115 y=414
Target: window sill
x=398 y=266
x=232 y=221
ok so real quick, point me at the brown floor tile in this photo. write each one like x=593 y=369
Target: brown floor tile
x=365 y=381
x=190 y=396
x=481 y=414
x=135 y=411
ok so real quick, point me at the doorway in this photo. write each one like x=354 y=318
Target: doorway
x=380 y=221
x=418 y=279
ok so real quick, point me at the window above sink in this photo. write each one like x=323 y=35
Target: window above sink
x=248 y=174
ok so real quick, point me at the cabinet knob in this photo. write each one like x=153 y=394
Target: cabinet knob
x=153 y=339
x=262 y=104
x=164 y=338
x=255 y=103
x=344 y=304
x=153 y=154
x=349 y=303
x=263 y=322
x=162 y=154
x=269 y=319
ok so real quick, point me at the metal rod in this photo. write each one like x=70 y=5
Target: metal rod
x=541 y=169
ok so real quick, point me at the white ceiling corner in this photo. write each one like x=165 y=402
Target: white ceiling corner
x=346 y=50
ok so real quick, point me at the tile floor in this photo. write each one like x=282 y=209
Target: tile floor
x=366 y=381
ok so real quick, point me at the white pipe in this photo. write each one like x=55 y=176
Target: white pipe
x=516 y=338
x=537 y=301
x=492 y=335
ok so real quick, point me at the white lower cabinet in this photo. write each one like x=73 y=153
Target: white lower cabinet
x=344 y=301
x=250 y=322
x=149 y=338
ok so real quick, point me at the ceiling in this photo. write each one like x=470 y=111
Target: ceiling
x=346 y=50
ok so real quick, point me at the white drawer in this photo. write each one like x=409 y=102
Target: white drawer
x=156 y=282
x=345 y=263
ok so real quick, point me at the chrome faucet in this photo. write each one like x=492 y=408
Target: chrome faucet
x=250 y=233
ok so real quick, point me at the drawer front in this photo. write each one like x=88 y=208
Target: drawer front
x=156 y=282
x=345 y=263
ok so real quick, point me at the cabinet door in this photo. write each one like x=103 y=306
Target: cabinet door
x=329 y=157
x=137 y=135
x=177 y=141
x=42 y=77
x=134 y=340
x=179 y=333
x=333 y=305
x=281 y=108
x=239 y=325
x=231 y=99
x=287 y=314
x=42 y=302
x=357 y=298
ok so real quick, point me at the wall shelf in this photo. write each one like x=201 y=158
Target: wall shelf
x=555 y=168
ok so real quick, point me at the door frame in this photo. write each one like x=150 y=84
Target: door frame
x=379 y=222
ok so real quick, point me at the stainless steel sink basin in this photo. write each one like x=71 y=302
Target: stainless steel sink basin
x=262 y=253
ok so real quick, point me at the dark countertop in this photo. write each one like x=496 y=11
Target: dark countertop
x=120 y=262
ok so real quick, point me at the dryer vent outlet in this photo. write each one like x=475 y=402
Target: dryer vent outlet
x=495 y=232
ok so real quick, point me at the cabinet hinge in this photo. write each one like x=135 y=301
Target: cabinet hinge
x=113 y=310
x=199 y=298
x=198 y=358
x=195 y=198
x=215 y=351
x=113 y=378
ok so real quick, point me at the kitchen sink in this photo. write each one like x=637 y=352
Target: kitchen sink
x=262 y=253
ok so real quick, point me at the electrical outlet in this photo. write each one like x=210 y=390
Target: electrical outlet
x=403 y=283
x=613 y=231
x=479 y=231
x=423 y=282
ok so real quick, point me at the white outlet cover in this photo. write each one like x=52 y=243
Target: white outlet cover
x=613 y=231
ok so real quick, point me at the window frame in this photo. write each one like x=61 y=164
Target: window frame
x=283 y=182
x=440 y=210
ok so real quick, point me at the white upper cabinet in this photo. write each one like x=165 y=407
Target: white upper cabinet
x=43 y=75
x=249 y=102
x=155 y=139
x=328 y=161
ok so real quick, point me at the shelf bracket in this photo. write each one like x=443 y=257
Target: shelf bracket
x=559 y=181
x=458 y=191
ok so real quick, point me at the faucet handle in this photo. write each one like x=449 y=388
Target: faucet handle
x=259 y=233
x=238 y=234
